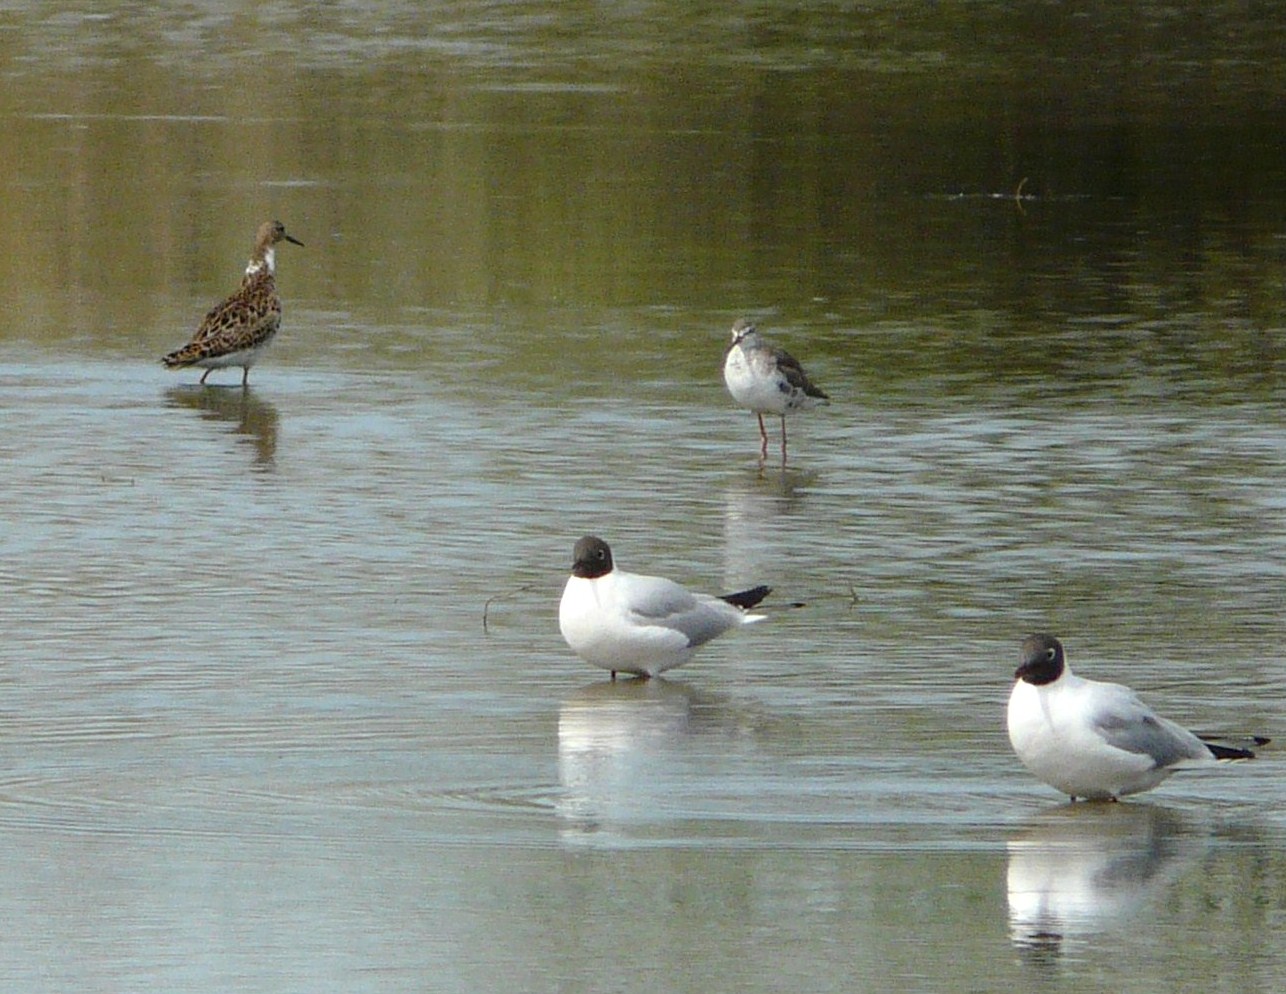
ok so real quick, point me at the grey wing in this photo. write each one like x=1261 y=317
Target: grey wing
x=658 y=601
x=1125 y=722
x=655 y=599
x=795 y=374
x=789 y=366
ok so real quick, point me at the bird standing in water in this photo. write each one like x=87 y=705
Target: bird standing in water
x=1092 y=739
x=236 y=331
x=645 y=625
x=767 y=380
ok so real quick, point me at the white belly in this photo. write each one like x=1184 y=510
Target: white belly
x=596 y=630
x=242 y=357
x=1070 y=756
x=760 y=386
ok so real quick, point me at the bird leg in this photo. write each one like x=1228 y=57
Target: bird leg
x=245 y=377
x=783 y=440
x=204 y=375
x=763 y=438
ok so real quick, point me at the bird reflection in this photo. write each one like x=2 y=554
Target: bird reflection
x=625 y=756
x=752 y=502
x=249 y=415
x=1078 y=869
x=772 y=491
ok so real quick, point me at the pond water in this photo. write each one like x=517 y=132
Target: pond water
x=286 y=704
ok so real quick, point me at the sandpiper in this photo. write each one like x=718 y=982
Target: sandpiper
x=237 y=330
x=767 y=379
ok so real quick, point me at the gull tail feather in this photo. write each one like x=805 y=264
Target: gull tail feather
x=746 y=599
x=1234 y=752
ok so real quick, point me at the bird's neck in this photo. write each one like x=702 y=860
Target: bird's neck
x=266 y=260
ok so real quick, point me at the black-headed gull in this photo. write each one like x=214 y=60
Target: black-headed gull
x=767 y=379
x=1095 y=740
x=645 y=625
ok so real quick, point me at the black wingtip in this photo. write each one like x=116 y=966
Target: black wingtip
x=747 y=599
x=1232 y=752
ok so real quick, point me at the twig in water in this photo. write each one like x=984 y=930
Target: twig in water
x=486 y=605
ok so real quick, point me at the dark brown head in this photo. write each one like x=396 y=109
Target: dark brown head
x=591 y=558
x=1042 y=660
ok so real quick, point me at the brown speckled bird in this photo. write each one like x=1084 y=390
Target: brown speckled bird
x=237 y=330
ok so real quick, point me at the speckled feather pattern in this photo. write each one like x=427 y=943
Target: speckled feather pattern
x=246 y=320
x=235 y=331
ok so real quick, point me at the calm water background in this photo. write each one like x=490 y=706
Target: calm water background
x=254 y=734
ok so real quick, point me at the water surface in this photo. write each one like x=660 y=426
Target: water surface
x=256 y=732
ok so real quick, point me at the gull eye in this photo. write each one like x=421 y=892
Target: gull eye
x=1050 y=654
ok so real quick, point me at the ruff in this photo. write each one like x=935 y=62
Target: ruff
x=236 y=331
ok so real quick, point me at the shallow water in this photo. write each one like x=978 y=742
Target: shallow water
x=286 y=705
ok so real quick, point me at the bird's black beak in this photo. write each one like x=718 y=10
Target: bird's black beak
x=293 y=241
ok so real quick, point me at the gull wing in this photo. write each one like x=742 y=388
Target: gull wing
x=1126 y=723
x=654 y=600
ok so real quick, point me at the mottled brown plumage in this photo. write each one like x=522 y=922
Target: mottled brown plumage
x=237 y=330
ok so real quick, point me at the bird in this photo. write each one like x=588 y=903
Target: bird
x=643 y=625
x=1093 y=740
x=767 y=380
x=237 y=330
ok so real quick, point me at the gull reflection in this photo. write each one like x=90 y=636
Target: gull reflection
x=625 y=756
x=1080 y=868
x=246 y=412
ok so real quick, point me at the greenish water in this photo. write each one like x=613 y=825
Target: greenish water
x=255 y=734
